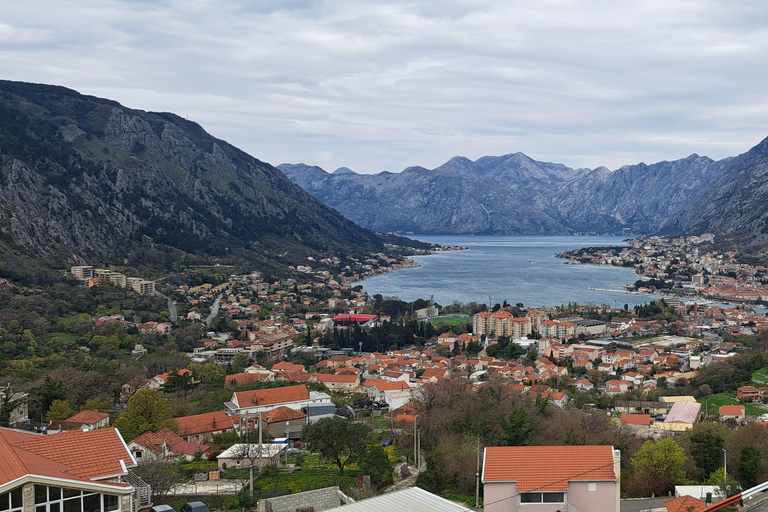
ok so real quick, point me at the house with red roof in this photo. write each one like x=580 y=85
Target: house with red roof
x=736 y=412
x=551 y=478
x=275 y=422
x=336 y=382
x=263 y=400
x=92 y=467
x=163 y=445
x=200 y=428
x=84 y=420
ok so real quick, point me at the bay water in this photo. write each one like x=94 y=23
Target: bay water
x=518 y=269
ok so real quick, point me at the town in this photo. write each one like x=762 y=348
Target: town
x=243 y=357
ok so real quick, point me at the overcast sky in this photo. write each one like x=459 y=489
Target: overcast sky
x=384 y=85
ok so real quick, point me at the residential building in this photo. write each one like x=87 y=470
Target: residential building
x=73 y=471
x=736 y=412
x=200 y=428
x=263 y=400
x=551 y=478
x=84 y=420
x=682 y=416
x=163 y=445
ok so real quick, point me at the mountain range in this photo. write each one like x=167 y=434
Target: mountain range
x=513 y=195
x=87 y=180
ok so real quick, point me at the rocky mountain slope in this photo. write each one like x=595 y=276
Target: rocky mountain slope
x=86 y=180
x=734 y=204
x=512 y=195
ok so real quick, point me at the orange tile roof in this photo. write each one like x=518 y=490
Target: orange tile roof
x=241 y=379
x=75 y=455
x=685 y=504
x=328 y=378
x=732 y=410
x=204 y=423
x=88 y=417
x=282 y=413
x=153 y=440
x=272 y=396
x=636 y=419
x=547 y=468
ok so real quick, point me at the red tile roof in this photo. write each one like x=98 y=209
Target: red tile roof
x=76 y=455
x=547 y=468
x=272 y=396
x=732 y=410
x=154 y=440
x=685 y=504
x=88 y=417
x=240 y=379
x=636 y=419
x=282 y=414
x=204 y=423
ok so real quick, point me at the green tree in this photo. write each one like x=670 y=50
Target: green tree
x=707 y=448
x=518 y=428
x=749 y=466
x=725 y=485
x=59 y=410
x=337 y=440
x=374 y=462
x=96 y=404
x=660 y=465
x=147 y=411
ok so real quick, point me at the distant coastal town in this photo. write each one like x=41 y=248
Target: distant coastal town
x=685 y=267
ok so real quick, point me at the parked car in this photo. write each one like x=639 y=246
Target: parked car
x=162 y=508
x=195 y=506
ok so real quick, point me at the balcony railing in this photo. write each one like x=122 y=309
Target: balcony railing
x=142 y=497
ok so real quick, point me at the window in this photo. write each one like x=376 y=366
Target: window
x=592 y=487
x=58 y=499
x=542 y=497
x=12 y=501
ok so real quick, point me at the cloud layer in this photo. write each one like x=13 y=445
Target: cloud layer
x=382 y=85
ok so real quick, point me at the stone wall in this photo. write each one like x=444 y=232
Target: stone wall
x=319 y=499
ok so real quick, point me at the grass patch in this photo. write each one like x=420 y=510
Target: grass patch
x=468 y=500
x=713 y=403
x=450 y=321
x=761 y=376
x=315 y=473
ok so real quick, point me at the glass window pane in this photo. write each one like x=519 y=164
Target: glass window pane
x=111 y=502
x=54 y=507
x=54 y=493
x=530 y=497
x=92 y=503
x=71 y=493
x=41 y=493
x=40 y=508
x=554 y=497
x=4 y=500
x=72 y=505
x=17 y=498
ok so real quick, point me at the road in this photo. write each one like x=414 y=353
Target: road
x=214 y=310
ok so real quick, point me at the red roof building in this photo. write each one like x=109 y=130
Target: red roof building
x=92 y=465
x=581 y=477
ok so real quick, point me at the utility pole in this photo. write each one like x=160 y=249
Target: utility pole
x=477 y=476
x=414 y=442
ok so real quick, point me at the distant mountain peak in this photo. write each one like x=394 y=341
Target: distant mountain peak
x=343 y=170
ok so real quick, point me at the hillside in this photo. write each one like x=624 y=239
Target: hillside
x=86 y=180
x=734 y=204
x=512 y=195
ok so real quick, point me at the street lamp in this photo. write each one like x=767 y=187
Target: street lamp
x=725 y=470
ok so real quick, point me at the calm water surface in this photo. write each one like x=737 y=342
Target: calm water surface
x=512 y=268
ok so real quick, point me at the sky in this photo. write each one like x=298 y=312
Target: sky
x=383 y=85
